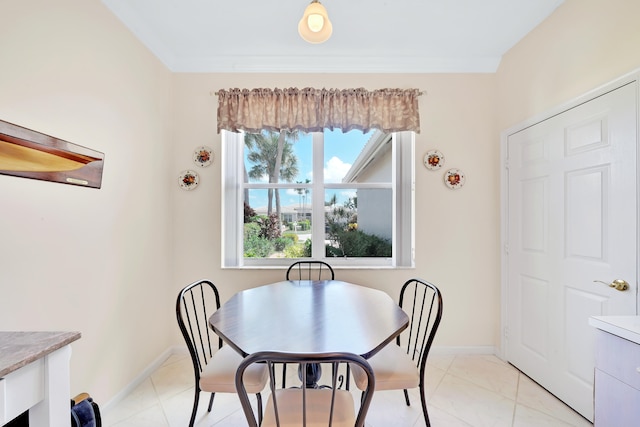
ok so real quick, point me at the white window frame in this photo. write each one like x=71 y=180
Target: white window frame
x=403 y=186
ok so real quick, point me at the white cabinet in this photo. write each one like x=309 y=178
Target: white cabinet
x=617 y=371
x=34 y=376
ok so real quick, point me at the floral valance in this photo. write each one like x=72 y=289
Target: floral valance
x=312 y=110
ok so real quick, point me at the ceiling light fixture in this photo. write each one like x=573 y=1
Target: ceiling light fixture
x=315 y=26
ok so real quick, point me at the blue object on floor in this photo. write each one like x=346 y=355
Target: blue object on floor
x=85 y=414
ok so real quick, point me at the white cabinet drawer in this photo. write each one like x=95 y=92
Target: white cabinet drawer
x=619 y=358
x=616 y=403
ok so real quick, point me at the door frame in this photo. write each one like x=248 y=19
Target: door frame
x=632 y=77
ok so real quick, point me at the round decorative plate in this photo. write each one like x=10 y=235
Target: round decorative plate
x=203 y=156
x=454 y=178
x=433 y=160
x=188 y=180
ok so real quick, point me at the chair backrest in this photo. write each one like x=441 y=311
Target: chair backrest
x=195 y=303
x=310 y=270
x=422 y=301
x=302 y=406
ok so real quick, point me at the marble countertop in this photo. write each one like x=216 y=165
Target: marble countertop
x=627 y=327
x=18 y=349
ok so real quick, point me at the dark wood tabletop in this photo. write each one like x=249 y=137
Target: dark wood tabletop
x=309 y=317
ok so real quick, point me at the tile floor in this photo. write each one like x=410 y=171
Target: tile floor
x=463 y=390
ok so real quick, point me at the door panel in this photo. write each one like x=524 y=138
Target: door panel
x=534 y=295
x=571 y=221
x=586 y=209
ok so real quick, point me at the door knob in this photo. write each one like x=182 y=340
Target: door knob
x=618 y=284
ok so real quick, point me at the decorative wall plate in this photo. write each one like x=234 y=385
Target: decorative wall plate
x=203 y=156
x=454 y=178
x=188 y=180
x=433 y=160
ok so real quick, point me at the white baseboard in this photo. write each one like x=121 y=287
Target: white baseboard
x=146 y=373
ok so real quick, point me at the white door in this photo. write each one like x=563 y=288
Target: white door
x=572 y=219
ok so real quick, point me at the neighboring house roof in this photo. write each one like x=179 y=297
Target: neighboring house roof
x=377 y=145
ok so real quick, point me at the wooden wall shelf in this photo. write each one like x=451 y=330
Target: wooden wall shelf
x=30 y=154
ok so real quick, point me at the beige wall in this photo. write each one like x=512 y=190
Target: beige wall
x=456 y=231
x=71 y=258
x=109 y=262
x=583 y=45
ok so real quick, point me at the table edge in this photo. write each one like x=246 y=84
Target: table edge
x=34 y=345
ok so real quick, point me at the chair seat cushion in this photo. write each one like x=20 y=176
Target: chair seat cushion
x=393 y=370
x=220 y=373
x=318 y=403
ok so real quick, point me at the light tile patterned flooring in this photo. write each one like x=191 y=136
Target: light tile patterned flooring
x=463 y=390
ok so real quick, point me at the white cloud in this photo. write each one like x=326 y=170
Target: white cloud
x=336 y=170
x=348 y=194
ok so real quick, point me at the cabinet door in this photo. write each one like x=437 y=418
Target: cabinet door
x=616 y=403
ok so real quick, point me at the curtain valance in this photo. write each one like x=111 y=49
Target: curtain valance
x=312 y=110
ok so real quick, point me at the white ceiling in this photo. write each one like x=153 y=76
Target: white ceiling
x=374 y=36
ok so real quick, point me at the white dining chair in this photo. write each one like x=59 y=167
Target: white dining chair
x=214 y=364
x=302 y=406
x=401 y=366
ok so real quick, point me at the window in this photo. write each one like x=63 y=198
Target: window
x=346 y=198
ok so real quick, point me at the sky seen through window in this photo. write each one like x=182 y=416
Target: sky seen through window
x=340 y=151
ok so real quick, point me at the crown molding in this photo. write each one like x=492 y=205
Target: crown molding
x=330 y=64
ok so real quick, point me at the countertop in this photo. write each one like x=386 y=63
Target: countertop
x=627 y=327
x=18 y=349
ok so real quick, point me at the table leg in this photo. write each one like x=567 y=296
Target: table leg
x=54 y=409
x=313 y=374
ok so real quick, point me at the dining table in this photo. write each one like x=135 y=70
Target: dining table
x=309 y=316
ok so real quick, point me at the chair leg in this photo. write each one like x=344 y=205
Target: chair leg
x=348 y=377
x=343 y=379
x=211 y=402
x=196 y=399
x=406 y=397
x=424 y=406
x=284 y=374
x=259 y=398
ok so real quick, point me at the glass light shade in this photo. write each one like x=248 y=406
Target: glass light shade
x=315 y=22
x=315 y=26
